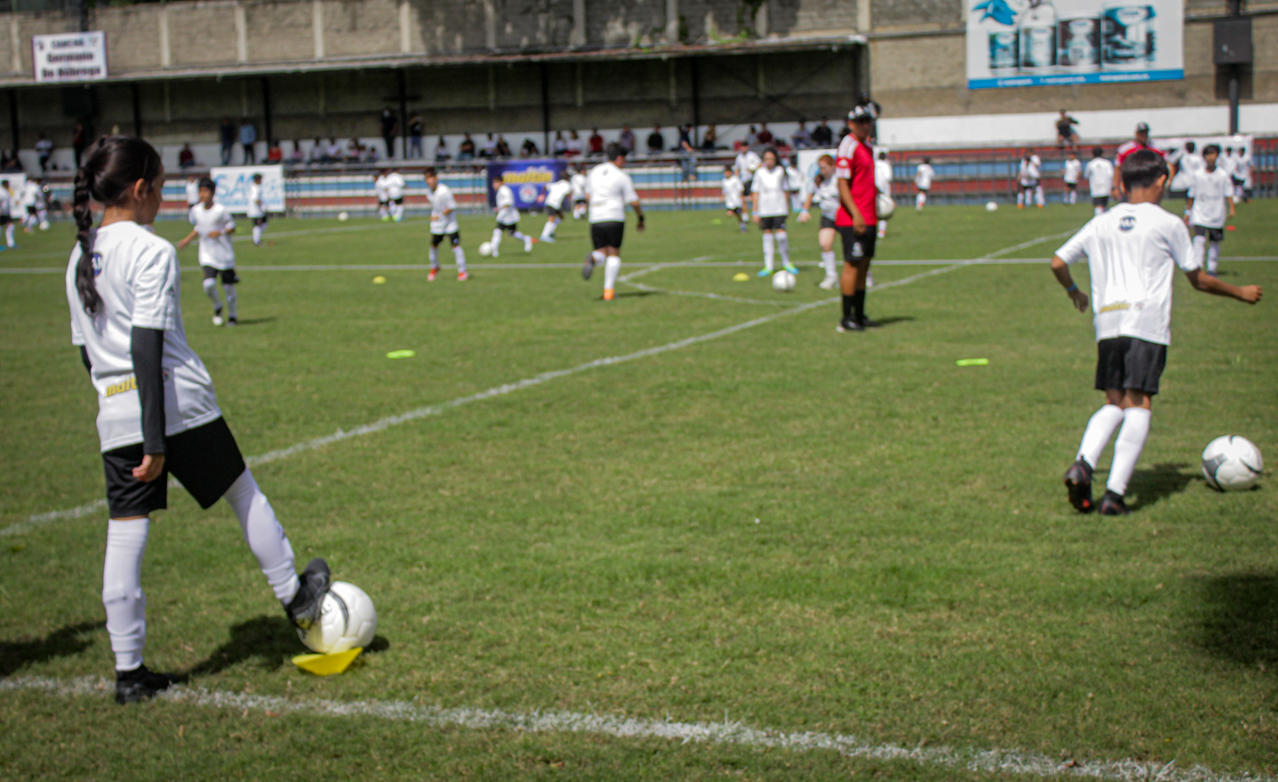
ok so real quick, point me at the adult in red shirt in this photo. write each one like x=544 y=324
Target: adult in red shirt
x=1127 y=148
x=856 y=218
x=596 y=142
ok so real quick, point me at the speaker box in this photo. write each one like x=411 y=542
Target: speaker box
x=1232 y=41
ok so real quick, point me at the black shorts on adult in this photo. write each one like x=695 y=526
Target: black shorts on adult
x=857 y=247
x=774 y=223
x=827 y=223
x=229 y=277
x=205 y=459
x=1128 y=362
x=454 y=239
x=509 y=228
x=1212 y=234
x=1101 y=201
x=607 y=234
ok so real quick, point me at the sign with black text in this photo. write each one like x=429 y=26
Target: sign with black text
x=69 y=57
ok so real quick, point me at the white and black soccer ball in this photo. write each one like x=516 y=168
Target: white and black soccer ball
x=991 y=206
x=486 y=249
x=1232 y=463
x=884 y=206
x=347 y=620
x=783 y=281
x=342 y=217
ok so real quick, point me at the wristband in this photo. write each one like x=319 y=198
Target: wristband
x=1073 y=287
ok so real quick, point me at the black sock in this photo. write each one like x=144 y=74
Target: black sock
x=847 y=306
x=858 y=305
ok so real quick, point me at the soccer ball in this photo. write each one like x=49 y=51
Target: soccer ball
x=342 y=216
x=884 y=206
x=347 y=620
x=1232 y=463
x=991 y=206
x=44 y=226
x=486 y=249
x=783 y=281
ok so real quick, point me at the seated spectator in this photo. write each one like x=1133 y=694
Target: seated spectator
x=574 y=145
x=627 y=139
x=752 y=137
x=801 y=138
x=596 y=142
x=503 y=149
x=186 y=158
x=333 y=152
x=297 y=157
x=822 y=136
x=656 y=141
x=274 y=154
x=529 y=149
x=466 y=150
x=764 y=136
x=559 y=146
x=441 y=151
x=489 y=149
x=710 y=140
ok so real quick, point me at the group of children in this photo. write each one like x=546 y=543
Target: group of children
x=28 y=205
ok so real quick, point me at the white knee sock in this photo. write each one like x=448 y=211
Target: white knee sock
x=768 y=251
x=1020 y=197
x=257 y=234
x=1127 y=448
x=383 y=211
x=548 y=230
x=882 y=228
x=519 y=236
x=612 y=265
x=231 y=298
x=1099 y=429
x=397 y=211
x=264 y=535
x=1038 y=196
x=497 y=232
x=434 y=257
x=827 y=263
x=1098 y=210
x=1213 y=256
x=8 y=235
x=1200 y=250
x=122 y=590
x=210 y=289
x=783 y=244
x=459 y=255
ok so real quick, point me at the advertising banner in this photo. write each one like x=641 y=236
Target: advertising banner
x=233 y=187
x=69 y=57
x=1025 y=43
x=527 y=178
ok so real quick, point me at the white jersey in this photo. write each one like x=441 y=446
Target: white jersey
x=1132 y=251
x=30 y=193
x=883 y=176
x=215 y=251
x=772 y=186
x=732 y=190
x=794 y=179
x=1242 y=170
x=1031 y=170
x=136 y=274
x=394 y=185
x=192 y=193
x=1072 y=171
x=1188 y=164
x=826 y=197
x=578 y=183
x=5 y=202
x=1210 y=189
x=1100 y=177
x=441 y=201
x=379 y=189
x=746 y=164
x=1223 y=162
x=507 y=214
x=255 y=206
x=609 y=189
x=557 y=192
x=924 y=176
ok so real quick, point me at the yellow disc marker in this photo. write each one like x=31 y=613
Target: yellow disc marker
x=379 y=280
x=401 y=354
x=741 y=277
x=327 y=664
x=973 y=362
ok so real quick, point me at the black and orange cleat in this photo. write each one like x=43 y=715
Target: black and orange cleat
x=1078 y=480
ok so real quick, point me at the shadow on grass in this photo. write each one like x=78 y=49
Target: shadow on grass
x=63 y=642
x=271 y=641
x=890 y=321
x=255 y=321
x=1158 y=482
x=1240 y=618
x=634 y=294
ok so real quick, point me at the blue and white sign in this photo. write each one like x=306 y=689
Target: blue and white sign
x=527 y=178
x=69 y=57
x=233 y=187
x=1027 y=43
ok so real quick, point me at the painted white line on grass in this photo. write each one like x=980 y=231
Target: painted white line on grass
x=993 y=761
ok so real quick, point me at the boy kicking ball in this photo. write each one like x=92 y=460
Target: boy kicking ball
x=1130 y=252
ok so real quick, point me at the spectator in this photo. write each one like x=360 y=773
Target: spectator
x=574 y=145
x=415 y=129
x=765 y=136
x=875 y=110
x=296 y=157
x=248 y=138
x=626 y=139
x=319 y=152
x=79 y=140
x=801 y=138
x=560 y=146
x=596 y=142
x=44 y=148
x=389 y=124
x=710 y=141
x=656 y=141
x=186 y=158
x=274 y=153
x=226 y=132
x=333 y=152
x=441 y=151
x=466 y=150
x=822 y=136
x=354 y=150
x=490 y=147
x=687 y=153
x=1065 y=135
x=503 y=149
x=529 y=149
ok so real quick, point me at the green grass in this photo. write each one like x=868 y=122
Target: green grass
x=803 y=529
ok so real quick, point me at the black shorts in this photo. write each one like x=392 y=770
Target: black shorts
x=508 y=228
x=1212 y=234
x=382 y=202
x=31 y=210
x=5 y=219
x=205 y=459
x=607 y=234
x=263 y=220
x=745 y=187
x=775 y=223
x=736 y=210
x=1128 y=362
x=857 y=247
x=1101 y=201
x=398 y=201
x=229 y=277
x=552 y=211
x=1029 y=185
x=579 y=202
x=1071 y=185
x=827 y=223
x=454 y=239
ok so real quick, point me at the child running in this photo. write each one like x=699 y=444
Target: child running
x=825 y=194
x=733 y=197
x=770 y=202
x=443 y=223
x=1210 y=191
x=214 y=226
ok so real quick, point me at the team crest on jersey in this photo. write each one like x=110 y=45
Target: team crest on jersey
x=1127 y=223
x=96 y=260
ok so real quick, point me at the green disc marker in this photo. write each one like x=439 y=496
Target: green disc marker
x=400 y=354
x=972 y=362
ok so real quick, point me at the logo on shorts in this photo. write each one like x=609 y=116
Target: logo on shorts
x=1127 y=223
x=857 y=252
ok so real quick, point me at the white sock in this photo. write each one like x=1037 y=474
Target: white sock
x=1020 y=198
x=520 y=236
x=397 y=211
x=548 y=230
x=1099 y=429
x=783 y=244
x=210 y=289
x=920 y=200
x=1213 y=256
x=768 y=250
x=8 y=235
x=459 y=255
x=122 y=590
x=1098 y=210
x=264 y=535
x=257 y=234
x=1200 y=250
x=1127 y=448
x=612 y=265
x=497 y=232
x=382 y=211
x=598 y=255
x=434 y=257
x=882 y=228
x=1038 y=196
x=827 y=263
x=231 y=298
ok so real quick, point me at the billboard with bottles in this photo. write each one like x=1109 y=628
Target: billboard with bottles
x=1024 y=43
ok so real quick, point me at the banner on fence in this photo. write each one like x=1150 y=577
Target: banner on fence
x=69 y=56
x=527 y=178
x=233 y=187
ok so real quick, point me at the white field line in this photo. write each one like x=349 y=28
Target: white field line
x=97 y=506
x=993 y=761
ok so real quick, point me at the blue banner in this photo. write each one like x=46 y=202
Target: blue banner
x=1081 y=78
x=527 y=178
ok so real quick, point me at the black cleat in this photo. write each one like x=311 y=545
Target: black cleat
x=1112 y=504
x=141 y=684
x=847 y=324
x=866 y=323
x=588 y=268
x=305 y=608
x=1078 y=480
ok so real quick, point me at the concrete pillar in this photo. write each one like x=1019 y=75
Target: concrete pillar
x=672 y=22
x=490 y=24
x=405 y=27
x=15 y=43
x=241 y=34
x=581 y=90
x=578 y=38
x=863 y=16
x=761 y=19
x=166 y=54
x=317 y=24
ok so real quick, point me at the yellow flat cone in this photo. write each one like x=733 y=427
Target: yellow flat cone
x=741 y=277
x=379 y=279
x=327 y=664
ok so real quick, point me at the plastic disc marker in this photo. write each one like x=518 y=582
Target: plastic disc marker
x=741 y=277
x=972 y=362
x=378 y=280
x=401 y=354
x=327 y=664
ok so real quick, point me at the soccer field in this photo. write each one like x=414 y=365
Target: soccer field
x=691 y=533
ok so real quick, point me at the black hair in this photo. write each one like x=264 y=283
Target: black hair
x=927 y=160
x=1143 y=168
x=111 y=166
x=614 y=151
x=207 y=183
x=776 y=155
x=1211 y=148
x=1189 y=146
x=428 y=171
x=257 y=177
x=1098 y=152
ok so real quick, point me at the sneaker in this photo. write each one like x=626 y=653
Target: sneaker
x=528 y=243
x=385 y=218
x=1078 y=480
x=866 y=323
x=232 y=322
x=791 y=268
x=431 y=275
x=1112 y=504
x=765 y=272
x=829 y=283
x=869 y=279
x=744 y=226
x=588 y=268
x=549 y=239
x=217 y=318
x=141 y=684
x=609 y=294
x=847 y=324
x=304 y=610
x=462 y=276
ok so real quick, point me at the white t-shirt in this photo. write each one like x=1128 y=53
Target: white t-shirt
x=1188 y=164
x=923 y=177
x=826 y=197
x=507 y=214
x=394 y=185
x=883 y=176
x=30 y=193
x=732 y=190
x=1100 y=177
x=1209 y=189
x=578 y=182
x=1073 y=170
x=137 y=276
x=192 y=193
x=1223 y=162
x=441 y=200
x=610 y=189
x=1132 y=252
x=771 y=186
x=1242 y=170
x=255 y=206
x=379 y=189
x=794 y=180
x=5 y=201
x=746 y=164
x=216 y=251
x=555 y=194
x=1031 y=170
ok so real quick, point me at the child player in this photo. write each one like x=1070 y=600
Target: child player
x=379 y=190
x=733 y=200
x=1073 y=169
x=770 y=203
x=1210 y=191
x=1132 y=252
x=6 y=215
x=443 y=222
x=825 y=195
x=556 y=197
x=883 y=181
x=395 y=194
x=1100 y=180
x=578 y=183
x=508 y=219
x=609 y=190
x=923 y=181
x=257 y=209
x=214 y=226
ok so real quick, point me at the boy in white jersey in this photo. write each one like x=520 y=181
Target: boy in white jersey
x=746 y=163
x=257 y=209
x=508 y=219
x=556 y=197
x=6 y=216
x=795 y=181
x=733 y=197
x=1242 y=175
x=30 y=198
x=157 y=409
x=214 y=226
x=1132 y=252
x=1100 y=180
x=395 y=194
x=923 y=181
x=883 y=181
x=1072 y=170
x=1210 y=199
x=609 y=190
x=443 y=223
x=825 y=195
x=1031 y=175
x=770 y=202
x=379 y=191
x=578 y=183
x=192 y=190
